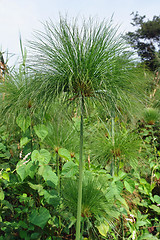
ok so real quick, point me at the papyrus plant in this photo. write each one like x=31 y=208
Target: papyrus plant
x=83 y=60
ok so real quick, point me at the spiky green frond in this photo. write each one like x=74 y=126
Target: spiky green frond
x=87 y=59
x=14 y=96
x=94 y=202
x=125 y=147
x=151 y=115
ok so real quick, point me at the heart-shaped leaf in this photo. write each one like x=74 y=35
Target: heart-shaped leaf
x=40 y=217
x=24 y=141
x=20 y=168
x=64 y=153
x=23 y=122
x=69 y=169
x=41 y=131
x=47 y=173
x=103 y=228
x=43 y=157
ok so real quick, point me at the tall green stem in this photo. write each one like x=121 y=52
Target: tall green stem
x=59 y=181
x=79 y=204
x=58 y=173
x=113 y=143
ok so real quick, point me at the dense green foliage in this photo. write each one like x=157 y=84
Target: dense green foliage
x=41 y=124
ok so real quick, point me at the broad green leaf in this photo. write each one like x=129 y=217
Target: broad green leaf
x=143 y=181
x=157 y=174
x=31 y=168
x=46 y=156
x=72 y=221
x=24 y=141
x=24 y=195
x=103 y=228
x=43 y=192
x=5 y=176
x=25 y=169
x=121 y=200
x=157 y=199
x=41 y=131
x=111 y=192
x=20 y=168
x=146 y=189
x=147 y=236
x=141 y=223
x=129 y=185
x=8 y=169
x=119 y=186
x=41 y=170
x=23 y=122
x=35 y=156
x=69 y=169
x=40 y=217
x=43 y=157
x=64 y=153
x=1 y=194
x=152 y=164
x=37 y=187
x=155 y=208
x=121 y=174
x=47 y=173
x=51 y=197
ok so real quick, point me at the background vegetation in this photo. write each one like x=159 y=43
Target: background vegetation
x=80 y=138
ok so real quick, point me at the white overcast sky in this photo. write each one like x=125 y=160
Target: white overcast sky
x=23 y=16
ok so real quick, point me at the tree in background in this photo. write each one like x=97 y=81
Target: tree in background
x=2 y=66
x=146 y=39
